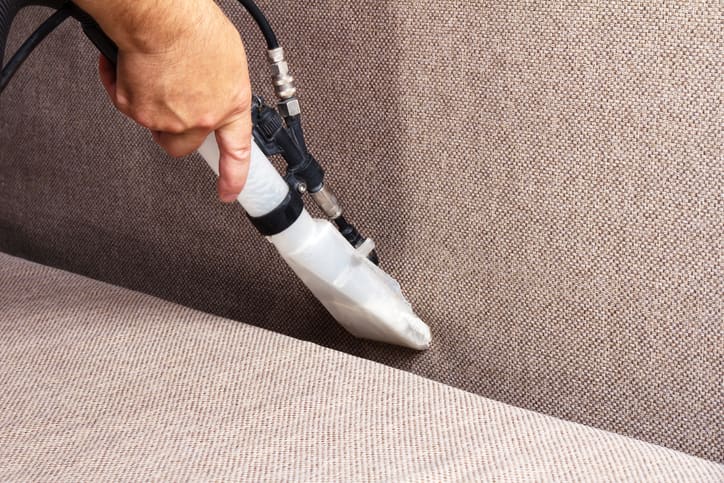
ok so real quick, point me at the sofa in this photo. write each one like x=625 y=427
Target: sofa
x=544 y=181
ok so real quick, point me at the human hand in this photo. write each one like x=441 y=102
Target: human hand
x=182 y=74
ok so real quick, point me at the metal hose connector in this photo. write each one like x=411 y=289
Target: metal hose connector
x=281 y=78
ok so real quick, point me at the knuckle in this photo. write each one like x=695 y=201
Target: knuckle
x=242 y=99
x=179 y=145
x=174 y=150
x=122 y=104
x=206 y=122
x=173 y=126
x=231 y=184
x=240 y=153
x=145 y=119
x=178 y=153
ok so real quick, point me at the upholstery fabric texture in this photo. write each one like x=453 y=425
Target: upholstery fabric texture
x=103 y=383
x=544 y=180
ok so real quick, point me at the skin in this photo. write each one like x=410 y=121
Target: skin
x=181 y=73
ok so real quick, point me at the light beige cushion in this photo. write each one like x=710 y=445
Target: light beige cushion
x=103 y=383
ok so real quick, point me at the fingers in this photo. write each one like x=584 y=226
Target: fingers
x=178 y=145
x=107 y=73
x=109 y=78
x=234 y=140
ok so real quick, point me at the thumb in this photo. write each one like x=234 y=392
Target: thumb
x=234 y=140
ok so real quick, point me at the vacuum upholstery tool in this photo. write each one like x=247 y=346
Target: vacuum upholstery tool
x=337 y=263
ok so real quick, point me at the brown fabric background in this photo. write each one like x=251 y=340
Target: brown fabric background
x=153 y=390
x=545 y=181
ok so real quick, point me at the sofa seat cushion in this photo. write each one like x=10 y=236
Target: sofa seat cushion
x=103 y=383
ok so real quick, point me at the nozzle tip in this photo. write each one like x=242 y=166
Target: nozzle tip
x=417 y=334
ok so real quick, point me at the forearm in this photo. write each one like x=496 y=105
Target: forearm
x=148 y=26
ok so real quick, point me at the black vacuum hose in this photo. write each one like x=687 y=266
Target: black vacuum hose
x=262 y=22
x=11 y=67
x=10 y=8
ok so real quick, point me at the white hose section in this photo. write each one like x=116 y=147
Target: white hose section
x=264 y=190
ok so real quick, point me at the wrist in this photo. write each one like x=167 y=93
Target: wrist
x=149 y=26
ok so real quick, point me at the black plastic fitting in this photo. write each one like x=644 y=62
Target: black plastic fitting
x=273 y=138
x=281 y=217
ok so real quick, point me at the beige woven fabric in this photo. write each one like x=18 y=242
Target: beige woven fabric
x=102 y=383
x=544 y=179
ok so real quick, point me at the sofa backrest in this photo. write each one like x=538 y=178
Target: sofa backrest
x=543 y=180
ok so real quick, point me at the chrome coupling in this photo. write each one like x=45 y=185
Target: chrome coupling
x=281 y=78
x=326 y=200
